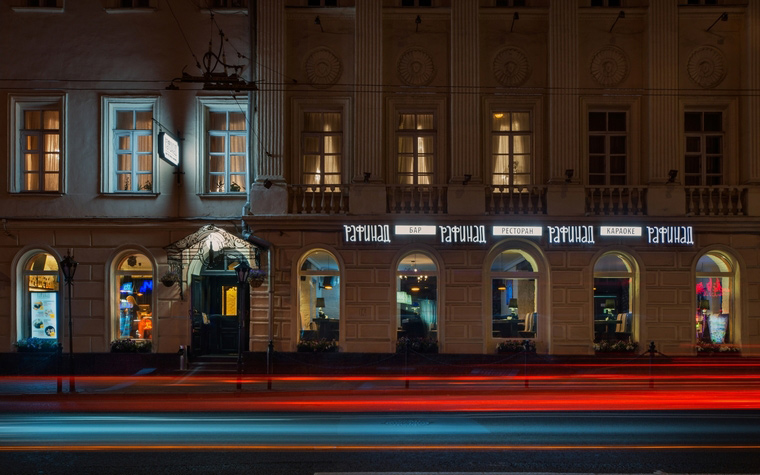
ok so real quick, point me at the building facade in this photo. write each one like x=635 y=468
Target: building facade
x=466 y=173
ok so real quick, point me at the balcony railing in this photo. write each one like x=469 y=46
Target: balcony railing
x=418 y=199
x=318 y=199
x=616 y=200
x=716 y=201
x=520 y=199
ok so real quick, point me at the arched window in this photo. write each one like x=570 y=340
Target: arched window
x=417 y=296
x=319 y=297
x=133 y=315
x=514 y=279
x=714 y=298
x=614 y=275
x=40 y=305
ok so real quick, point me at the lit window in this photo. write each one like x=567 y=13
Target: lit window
x=417 y=297
x=703 y=162
x=714 y=299
x=614 y=276
x=511 y=137
x=225 y=144
x=607 y=148
x=134 y=297
x=415 y=148
x=322 y=148
x=514 y=279
x=37 y=125
x=128 y=158
x=40 y=306
x=319 y=298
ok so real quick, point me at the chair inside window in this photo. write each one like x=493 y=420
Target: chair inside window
x=624 y=327
x=530 y=326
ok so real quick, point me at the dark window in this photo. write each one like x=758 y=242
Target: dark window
x=703 y=147
x=607 y=148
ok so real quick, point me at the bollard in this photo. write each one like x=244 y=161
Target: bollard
x=182 y=359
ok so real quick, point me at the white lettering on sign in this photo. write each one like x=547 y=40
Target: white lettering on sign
x=670 y=235
x=367 y=232
x=415 y=230
x=571 y=234
x=620 y=230
x=463 y=234
x=517 y=230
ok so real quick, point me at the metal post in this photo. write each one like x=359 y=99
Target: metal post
x=69 y=267
x=243 y=271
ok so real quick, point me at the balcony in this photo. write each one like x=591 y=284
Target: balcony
x=616 y=201
x=716 y=201
x=520 y=199
x=318 y=199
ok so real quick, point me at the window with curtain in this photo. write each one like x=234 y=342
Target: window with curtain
x=607 y=148
x=614 y=275
x=415 y=141
x=511 y=147
x=40 y=304
x=227 y=147
x=704 y=136
x=322 y=147
x=133 y=316
x=129 y=164
x=514 y=280
x=714 y=299
x=417 y=296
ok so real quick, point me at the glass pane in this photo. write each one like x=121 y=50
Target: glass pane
x=311 y=144
x=51 y=162
x=332 y=164
x=714 y=144
x=405 y=164
x=500 y=121
x=597 y=121
x=713 y=180
x=616 y=122
x=42 y=261
x=425 y=121
x=713 y=122
x=713 y=263
x=124 y=182
x=521 y=164
x=617 y=165
x=406 y=121
x=617 y=144
x=692 y=122
x=237 y=121
x=31 y=182
x=217 y=121
x=237 y=182
x=145 y=143
x=237 y=163
x=32 y=142
x=124 y=120
x=144 y=163
x=332 y=122
x=333 y=143
x=500 y=144
x=50 y=120
x=596 y=144
x=237 y=144
x=520 y=121
x=32 y=120
x=693 y=144
x=144 y=120
x=522 y=143
x=216 y=184
x=216 y=163
x=216 y=144
x=693 y=164
x=144 y=183
x=312 y=121
x=31 y=162
x=311 y=163
x=425 y=144
x=52 y=182
x=51 y=143
x=714 y=164
x=611 y=263
x=406 y=145
x=124 y=142
x=124 y=162
x=596 y=164
x=513 y=308
x=513 y=261
x=425 y=165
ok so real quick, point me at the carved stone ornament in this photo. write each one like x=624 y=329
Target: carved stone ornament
x=609 y=66
x=511 y=67
x=323 y=68
x=707 y=66
x=416 y=68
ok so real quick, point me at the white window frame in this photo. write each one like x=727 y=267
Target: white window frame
x=204 y=106
x=111 y=105
x=18 y=105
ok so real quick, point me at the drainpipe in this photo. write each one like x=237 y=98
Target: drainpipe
x=267 y=246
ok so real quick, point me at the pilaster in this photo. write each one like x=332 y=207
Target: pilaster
x=369 y=98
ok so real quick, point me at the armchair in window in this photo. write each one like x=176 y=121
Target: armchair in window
x=529 y=330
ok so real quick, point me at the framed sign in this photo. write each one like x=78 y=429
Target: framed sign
x=43 y=309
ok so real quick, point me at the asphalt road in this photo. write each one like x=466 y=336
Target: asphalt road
x=308 y=443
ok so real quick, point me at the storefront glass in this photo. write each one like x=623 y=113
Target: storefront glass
x=319 y=297
x=40 y=306
x=613 y=309
x=417 y=297
x=513 y=289
x=714 y=299
x=134 y=278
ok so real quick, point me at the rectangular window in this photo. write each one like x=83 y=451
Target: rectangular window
x=607 y=148
x=128 y=158
x=224 y=145
x=415 y=148
x=703 y=160
x=511 y=148
x=37 y=147
x=322 y=147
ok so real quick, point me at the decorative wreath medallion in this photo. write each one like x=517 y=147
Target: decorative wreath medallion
x=609 y=66
x=511 y=67
x=416 y=68
x=323 y=68
x=707 y=66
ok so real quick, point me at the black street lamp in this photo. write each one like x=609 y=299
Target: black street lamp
x=243 y=271
x=69 y=267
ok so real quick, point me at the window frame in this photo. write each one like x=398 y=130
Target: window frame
x=510 y=135
x=436 y=273
x=23 y=315
x=418 y=105
x=114 y=303
x=732 y=163
x=733 y=276
x=302 y=105
x=304 y=275
x=607 y=155
x=632 y=108
x=633 y=287
x=18 y=105
x=110 y=106
x=321 y=135
x=204 y=107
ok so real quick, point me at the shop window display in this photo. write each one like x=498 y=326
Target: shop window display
x=417 y=297
x=319 y=297
x=513 y=289
x=714 y=299
x=613 y=294
x=134 y=278
x=41 y=298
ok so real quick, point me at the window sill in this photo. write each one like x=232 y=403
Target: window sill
x=130 y=10
x=224 y=195
x=37 y=9
x=130 y=194
x=225 y=11
x=38 y=194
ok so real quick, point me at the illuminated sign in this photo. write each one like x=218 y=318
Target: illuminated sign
x=571 y=234
x=43 y=312
x=415 y=230
x=168 y=148
x=367 y=232
x=670 y=235
x=620 y=231
x=459 y=234
x=517 y=230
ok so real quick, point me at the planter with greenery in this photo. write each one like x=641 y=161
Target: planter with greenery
x=317 y=346
x=708 y=348
x=516 y=346
x=131 y=346
x=37 y=345
x=417 y=344
x=618 y=346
